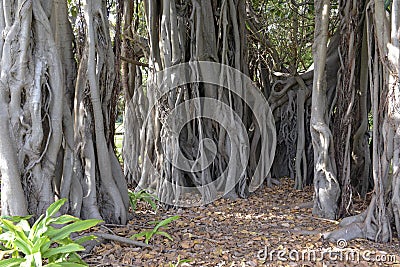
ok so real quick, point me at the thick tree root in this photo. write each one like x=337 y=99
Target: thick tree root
x=102 y=237
x=358 y=226
x=349 y=232
x=122 y=240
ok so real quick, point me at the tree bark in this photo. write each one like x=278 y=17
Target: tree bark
x=326 y=186
x=350 y=150
x=193 y=31
x=375 y=222
x=55 y=124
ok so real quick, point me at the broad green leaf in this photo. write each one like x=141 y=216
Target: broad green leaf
x=20 y=239
x=144 y=233
x=3 y=248
x=59 y=234
x=22 y=246
x=9 y=225
x=166 y=221
x=39 y=220
x=64 y=219
x=11 y=262
x=35 y=235
x=65 y=241
x=84 y=239
x=55 y=207
x=45 y=246
x=40 y=243
x=153 y=205
x=16 y=219
x=75 y=258
x=149 y=235
x=149 y=199
x=38 y=224
x=143 y=196
x=63 y=250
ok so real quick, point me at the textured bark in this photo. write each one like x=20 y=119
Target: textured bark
x=55 y=125
x=32 y=90
x=375 y=222
x=351 y=152
x=189 y=31
x=93 y=95
x=134 y=48
x=393 y=112
x=326 y=186
x=286 y=99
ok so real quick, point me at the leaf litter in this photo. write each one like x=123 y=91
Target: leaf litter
x=273 y=227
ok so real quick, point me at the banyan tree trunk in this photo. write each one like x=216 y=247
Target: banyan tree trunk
x=326 y=185
x=383 y=43
x=350 y=118
x=54 y=119
x=198 y=132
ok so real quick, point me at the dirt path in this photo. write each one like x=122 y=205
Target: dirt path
x=272 y=228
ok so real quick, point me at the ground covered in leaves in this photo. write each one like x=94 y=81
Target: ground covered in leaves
x=273 y=227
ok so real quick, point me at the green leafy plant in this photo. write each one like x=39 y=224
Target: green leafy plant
x=179 y=262
x=148 y=234
x=46 y=243
x=142 y=195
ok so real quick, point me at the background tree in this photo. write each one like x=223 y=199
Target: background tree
x=280 y=39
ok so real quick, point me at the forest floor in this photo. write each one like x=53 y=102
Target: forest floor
x=273 y=227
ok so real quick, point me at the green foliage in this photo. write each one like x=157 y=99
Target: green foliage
x=119 y=139
x=46 y=242
x=289 y=27
x=73 y=9
x=388 y=4
x=179 y=262
x=142 y=195
x=156 y=230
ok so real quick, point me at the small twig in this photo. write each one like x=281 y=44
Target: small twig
x=114 y=225
x=122 y=240
x=108 y=229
